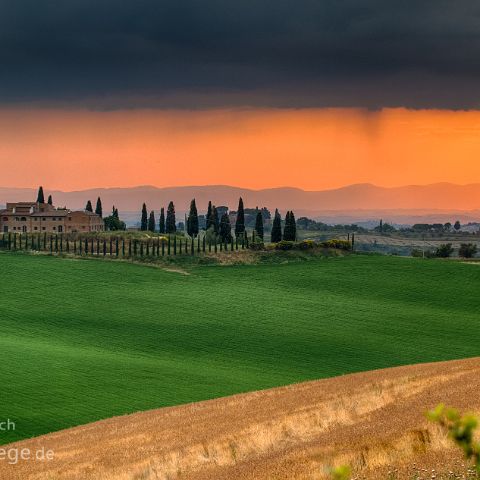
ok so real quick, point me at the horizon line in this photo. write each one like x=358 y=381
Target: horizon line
x=222 y=185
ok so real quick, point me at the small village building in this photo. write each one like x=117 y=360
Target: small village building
x=35 y=217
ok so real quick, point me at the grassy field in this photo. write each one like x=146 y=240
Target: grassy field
x=88 y=339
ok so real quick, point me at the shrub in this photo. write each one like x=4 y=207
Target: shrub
x=417 y=253
x=461 y=429
x=257 y=245
x=467 y=250
x=444 y=251
x=341 y=473
x=338 y=244
x=305 y=245
x=284 y=245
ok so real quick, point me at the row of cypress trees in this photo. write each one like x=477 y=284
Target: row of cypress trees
x=165 y=225
x=219 y=226
x=290 y=230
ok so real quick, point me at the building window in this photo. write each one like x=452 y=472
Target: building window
x=5 y=219
x=24 y=219
x=35 y=228
x=43 y=228
x=44 y=219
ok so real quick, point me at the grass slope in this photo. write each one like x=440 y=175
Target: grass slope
x=83 y=340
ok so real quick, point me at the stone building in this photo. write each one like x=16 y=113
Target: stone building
x=35 y=217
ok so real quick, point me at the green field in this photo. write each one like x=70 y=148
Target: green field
x=83 y=340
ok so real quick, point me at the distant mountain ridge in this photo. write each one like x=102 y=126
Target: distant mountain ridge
x=353 y=200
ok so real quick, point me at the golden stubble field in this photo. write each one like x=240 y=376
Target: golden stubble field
x=373 y=421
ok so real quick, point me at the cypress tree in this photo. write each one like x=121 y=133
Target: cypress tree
x=144 y=220
x=192 y=220
x=88 y=207
x=215 y=220
x=293 y=226
x=259 y=224
x=170 y=223
x=209 y=216
x=151 y=221
x=225 y=229
x=162 y=221
x=50 y=200
x=290 y=230
x=276 y=227
x=40 y=196
x=286 y=230
x=98 y=208
x=240 y=222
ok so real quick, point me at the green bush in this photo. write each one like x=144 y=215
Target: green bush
x=305 y=245
x=284 y=245
x=417 y=253
x=257 y=245
x=467 y=250
x=338 y=244
x=444 y=250
x=461 y=429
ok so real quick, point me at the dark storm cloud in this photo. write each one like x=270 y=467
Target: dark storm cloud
x=192 y=53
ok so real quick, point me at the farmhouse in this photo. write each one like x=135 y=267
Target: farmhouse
x=35 y=217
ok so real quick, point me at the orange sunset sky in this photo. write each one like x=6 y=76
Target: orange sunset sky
x=255 y=148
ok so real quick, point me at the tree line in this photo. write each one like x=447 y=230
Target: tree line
x=219 y=226
x=216 y=225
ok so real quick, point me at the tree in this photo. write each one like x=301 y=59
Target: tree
x=170 y=223
x=293 y=226
x=209 y=216
x=276 y=228
x=444 y=250
x=162 y=221
x=88 y=207
x=113 y=223
x=457 y=225
x=240 y=222
x=467 y=250
x=259 y=224
x=192 y=220
x=290 y=230
x=151 y=221
x=447 y=227
x=225 y=228
x=215 y=220
x=40 y=196
x=144 y=219
x=384 y=228
x=50 y=200
x=98 y=208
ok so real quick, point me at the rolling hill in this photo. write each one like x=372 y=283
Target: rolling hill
x=84 y=340
x=372 y=421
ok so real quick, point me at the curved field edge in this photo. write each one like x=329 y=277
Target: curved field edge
x=373 y=421
x=86 y=340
